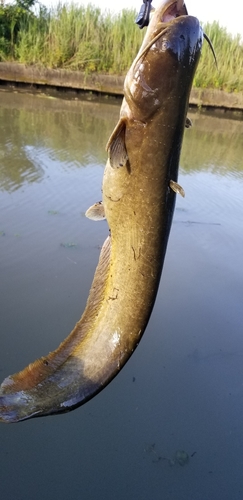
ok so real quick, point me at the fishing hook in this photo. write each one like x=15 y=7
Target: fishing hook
x=142 y=18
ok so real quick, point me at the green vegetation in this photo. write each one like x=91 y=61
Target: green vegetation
x=88 y=39
x=229 y=52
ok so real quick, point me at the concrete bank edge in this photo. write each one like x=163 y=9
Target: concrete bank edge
x=107 y=84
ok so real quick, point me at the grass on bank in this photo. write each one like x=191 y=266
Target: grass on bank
x=91 y=40
x=82 y=38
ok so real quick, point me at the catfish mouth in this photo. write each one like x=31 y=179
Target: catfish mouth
x=163 y=16
x=171 y=9
x=175 y=8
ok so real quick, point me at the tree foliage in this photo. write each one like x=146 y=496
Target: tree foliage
x=12 y=18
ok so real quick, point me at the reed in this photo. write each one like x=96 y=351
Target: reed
x=91 y=40
x=78 y=37
x=229 y=51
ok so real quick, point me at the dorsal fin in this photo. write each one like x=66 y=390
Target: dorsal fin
x=116 y=146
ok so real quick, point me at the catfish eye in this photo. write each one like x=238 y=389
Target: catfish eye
x=164 y=46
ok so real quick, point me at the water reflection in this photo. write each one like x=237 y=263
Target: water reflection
x=213 y=144
x=33 y=126
x=16 y=167
x=170 y=425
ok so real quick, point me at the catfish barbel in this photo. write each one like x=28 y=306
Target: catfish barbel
x=139 y=185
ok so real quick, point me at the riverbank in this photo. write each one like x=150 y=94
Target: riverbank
x=73 y=38
x=66 y=80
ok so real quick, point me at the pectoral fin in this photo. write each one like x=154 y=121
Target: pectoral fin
x=96 y=211
x=177 y=188
x=116 y=146
x=188 y=122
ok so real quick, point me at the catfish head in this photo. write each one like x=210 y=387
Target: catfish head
x=165 y=64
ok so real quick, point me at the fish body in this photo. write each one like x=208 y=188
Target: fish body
x=143 y=159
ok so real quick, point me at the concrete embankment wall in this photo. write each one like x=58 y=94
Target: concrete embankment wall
x=61 y=79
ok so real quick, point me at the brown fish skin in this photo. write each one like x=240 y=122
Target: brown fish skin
x=144 y=153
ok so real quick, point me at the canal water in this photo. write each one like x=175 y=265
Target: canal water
x=170 y=426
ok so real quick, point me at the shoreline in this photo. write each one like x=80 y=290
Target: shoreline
x=77 y=82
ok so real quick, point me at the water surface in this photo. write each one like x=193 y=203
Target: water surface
x=170 y=425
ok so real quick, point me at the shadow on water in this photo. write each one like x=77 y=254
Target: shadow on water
x=170 y=425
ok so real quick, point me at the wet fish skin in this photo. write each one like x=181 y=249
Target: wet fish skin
x=143 y=157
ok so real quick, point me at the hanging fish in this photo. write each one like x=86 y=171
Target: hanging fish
x=139 y=187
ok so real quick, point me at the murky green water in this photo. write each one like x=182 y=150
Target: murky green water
x=170 y=426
